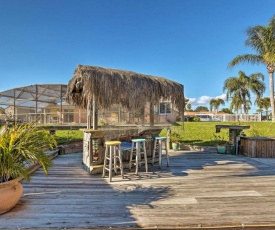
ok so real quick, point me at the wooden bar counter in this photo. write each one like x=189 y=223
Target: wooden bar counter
x=93 y=143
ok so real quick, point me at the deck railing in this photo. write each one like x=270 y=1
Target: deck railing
x=80 y=118
x=113 y=118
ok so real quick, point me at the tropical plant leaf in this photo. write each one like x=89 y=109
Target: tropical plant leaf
x=21 y=146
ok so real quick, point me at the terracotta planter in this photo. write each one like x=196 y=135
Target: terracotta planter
x=10 y=193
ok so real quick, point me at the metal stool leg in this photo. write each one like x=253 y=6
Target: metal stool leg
x=167 y=155
x=110 y=163
x=131 y=155
x=154 y=151
x=120 y=161
x=115 y=156
x=160 y=152
x=137 y=156
x=145 y=158
x=105 y=162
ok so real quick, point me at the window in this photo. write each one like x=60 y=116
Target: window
x=68 y=115
x=165 y=108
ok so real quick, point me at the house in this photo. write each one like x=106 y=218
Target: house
x=21 y=113
x=205 y=116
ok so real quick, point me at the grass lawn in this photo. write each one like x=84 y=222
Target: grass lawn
x=66 y=136
x=204 y=133
x=191 y=133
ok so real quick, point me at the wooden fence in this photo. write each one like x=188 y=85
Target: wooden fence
x=260 y=147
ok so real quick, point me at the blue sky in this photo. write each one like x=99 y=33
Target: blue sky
x=188 y=41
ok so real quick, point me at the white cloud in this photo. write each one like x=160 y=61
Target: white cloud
x=201 y=101
x=205 y=100
x=223 y=96
x=192 y=101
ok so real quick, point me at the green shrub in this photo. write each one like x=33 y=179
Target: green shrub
x=196 y=119
x=193 y=119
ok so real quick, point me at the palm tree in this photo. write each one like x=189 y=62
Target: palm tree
x=259 y=110
x=215 y=103
x=264 y=103
x=239 y=87
x=262 y=40
x=189 y=107
x=247 y=106
x=236 y=103
x=186 y=100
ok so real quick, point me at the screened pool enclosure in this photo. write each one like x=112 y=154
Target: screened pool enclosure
x=46 y=104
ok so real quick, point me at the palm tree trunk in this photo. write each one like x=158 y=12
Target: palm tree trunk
x=244 y=103
x=271 y=85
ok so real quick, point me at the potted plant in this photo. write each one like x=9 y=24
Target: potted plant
x=175 y=138
x=221 y=143
x=21 y=146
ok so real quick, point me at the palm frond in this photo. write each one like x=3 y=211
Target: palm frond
x=248 y=58
x=240 y=88
x=21 y=145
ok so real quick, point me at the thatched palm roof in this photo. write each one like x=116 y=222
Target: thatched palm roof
x=128 y=89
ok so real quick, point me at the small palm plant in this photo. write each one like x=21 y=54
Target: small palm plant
x=175 y=137
x=21 y=146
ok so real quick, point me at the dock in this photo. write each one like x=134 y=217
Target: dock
x=200 y=190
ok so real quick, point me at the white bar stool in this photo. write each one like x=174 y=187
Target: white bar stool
x=140 y=145
x=160 y=141
x=112 y=153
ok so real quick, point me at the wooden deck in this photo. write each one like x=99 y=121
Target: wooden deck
x=199 y=190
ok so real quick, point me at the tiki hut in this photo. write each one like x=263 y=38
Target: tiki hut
x=95 y=87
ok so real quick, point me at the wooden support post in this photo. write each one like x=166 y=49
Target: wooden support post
x=151 y=115
x=89 y=115
x=95 y=118
x=183 y=107
x=61 y=108
x=142 y=116
x=169 y=141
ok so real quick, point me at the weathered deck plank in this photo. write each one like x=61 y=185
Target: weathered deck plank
x=197 y=190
